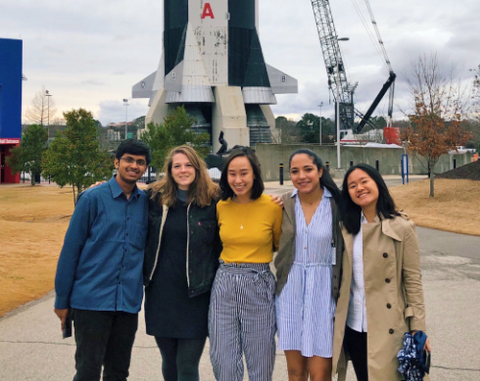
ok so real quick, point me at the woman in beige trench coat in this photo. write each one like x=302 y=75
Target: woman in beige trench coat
x=381 y=294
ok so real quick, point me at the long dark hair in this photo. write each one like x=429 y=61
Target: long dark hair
x=351 y=212
x=326 y=180
x=257 y=188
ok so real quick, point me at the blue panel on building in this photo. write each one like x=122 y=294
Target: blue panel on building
x=11 y=52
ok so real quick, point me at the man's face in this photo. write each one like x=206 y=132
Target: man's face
x=131 y=167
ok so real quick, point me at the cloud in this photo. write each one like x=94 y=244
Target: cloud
x=90 y=53
x=93 y=82
x=116 y=111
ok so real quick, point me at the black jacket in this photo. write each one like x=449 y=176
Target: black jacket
x=203 y=245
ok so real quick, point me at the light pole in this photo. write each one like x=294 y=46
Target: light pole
x=125 y=103
x=48 y=95
x=320 y=105
x=339 y=165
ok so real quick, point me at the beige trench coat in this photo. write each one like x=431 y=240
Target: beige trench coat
x=393 y=294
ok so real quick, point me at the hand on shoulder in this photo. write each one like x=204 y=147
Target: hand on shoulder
x=97 y=183
x=277 y=200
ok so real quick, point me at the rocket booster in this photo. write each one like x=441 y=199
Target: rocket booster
x=209 y=43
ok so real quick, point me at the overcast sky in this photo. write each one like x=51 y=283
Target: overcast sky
x=90 y=53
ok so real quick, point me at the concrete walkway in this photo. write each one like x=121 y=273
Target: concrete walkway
x=32 y=348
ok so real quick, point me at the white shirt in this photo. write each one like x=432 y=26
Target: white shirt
x=357 y=310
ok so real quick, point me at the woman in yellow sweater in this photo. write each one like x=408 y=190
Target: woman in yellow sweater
x=242 y=304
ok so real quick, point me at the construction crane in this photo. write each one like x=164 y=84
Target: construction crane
x=337 y=77
x=332 y=56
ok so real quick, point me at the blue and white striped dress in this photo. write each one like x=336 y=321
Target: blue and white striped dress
x=305 y=309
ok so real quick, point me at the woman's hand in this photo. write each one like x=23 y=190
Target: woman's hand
x=276 y=199
x=96 y=184
x=427 y=346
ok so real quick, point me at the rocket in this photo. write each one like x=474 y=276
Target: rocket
x=212 y=63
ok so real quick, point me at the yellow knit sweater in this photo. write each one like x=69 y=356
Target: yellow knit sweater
x=249 y=232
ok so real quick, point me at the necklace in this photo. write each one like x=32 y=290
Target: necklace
x=242 y=215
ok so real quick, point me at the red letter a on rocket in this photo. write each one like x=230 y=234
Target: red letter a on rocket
x=207 y=11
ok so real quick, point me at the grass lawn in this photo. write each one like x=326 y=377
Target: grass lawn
x=455 y=207
x=34 y=221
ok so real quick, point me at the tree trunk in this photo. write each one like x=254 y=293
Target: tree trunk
x=432 y=189
x=32 y=179
x=74 y=198
x=432 y=161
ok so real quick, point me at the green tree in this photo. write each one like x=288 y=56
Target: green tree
x=175 y=130
x=139 y=123
x=329 y=131
x=28 y=156
x=76 y=158
x=376 y=123
x=309 y=129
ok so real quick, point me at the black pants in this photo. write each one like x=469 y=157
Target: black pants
x=356 y=345
x=103 y=339
x=180 y=358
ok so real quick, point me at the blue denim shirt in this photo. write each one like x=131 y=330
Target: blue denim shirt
x=100 y=266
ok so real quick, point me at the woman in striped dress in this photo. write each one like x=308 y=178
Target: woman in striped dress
x=308 y=269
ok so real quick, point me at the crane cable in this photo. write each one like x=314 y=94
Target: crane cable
x=378 y=45
x=377 y=31
x=367 y=29
x=377 y=42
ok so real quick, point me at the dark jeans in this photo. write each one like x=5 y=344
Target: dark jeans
x=356 y=345
x=103 y=338
x=180 y=358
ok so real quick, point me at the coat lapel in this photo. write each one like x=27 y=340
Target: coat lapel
x=388 y=228
x=289 y=208
x=348 y=240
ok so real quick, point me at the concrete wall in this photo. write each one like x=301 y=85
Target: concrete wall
x=388 y=160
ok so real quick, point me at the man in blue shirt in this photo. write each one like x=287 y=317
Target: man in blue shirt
x=99 y=274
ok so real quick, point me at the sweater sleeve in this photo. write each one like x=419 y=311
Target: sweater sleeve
x=277 y=226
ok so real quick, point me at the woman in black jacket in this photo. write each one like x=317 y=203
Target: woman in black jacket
x=181 y=259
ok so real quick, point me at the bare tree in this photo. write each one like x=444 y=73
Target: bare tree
x=285 y=131
x=438 y=113
x=476 y=92
x=42 y=110
x=473 y=124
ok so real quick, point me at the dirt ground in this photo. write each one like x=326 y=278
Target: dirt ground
x=469 y=171
x=33 y=222
x=454 y=208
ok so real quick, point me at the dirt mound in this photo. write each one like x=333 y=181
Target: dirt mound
x=465 y=172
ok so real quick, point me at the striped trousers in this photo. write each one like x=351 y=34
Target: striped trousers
x=242 y=321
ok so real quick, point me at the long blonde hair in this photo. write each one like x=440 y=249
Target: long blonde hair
x=202 y=191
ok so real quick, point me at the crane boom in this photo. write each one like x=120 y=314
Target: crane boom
x=332 y=56
x=337 y=77
x=376 y=101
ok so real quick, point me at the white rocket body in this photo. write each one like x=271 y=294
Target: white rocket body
x=213 y=64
